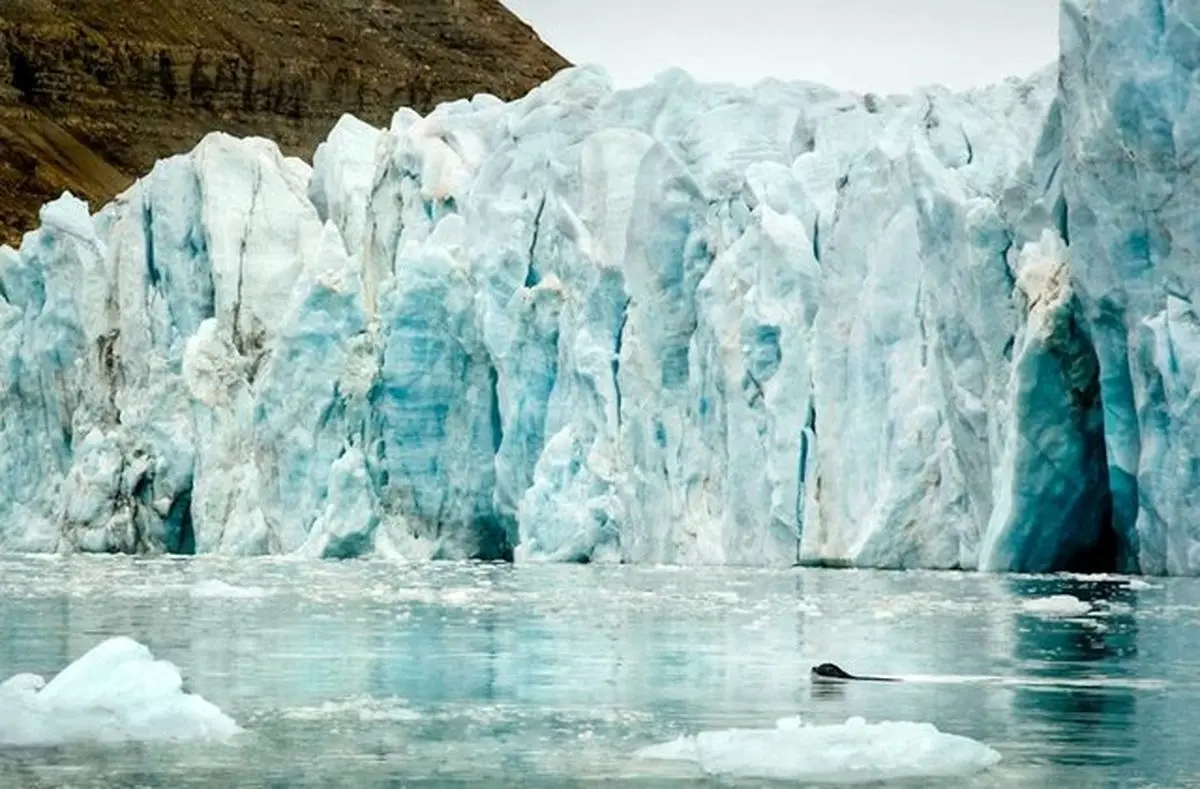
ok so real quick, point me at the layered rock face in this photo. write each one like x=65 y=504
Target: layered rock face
x=92 y=94
x=685 y=323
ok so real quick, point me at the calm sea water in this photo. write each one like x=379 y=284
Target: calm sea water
x=369 y=674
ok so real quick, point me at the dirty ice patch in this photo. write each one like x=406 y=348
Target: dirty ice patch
x=116 y=692
x=855 y=752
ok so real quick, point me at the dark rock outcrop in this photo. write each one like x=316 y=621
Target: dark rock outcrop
x=93 y=93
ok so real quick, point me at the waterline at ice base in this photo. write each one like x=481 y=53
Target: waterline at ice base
x=681 y=324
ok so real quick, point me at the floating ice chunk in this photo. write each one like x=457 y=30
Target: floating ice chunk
x=1056 y=605
x=116 y=692
x=214 y=588
x=855 y=752
x=366 y=709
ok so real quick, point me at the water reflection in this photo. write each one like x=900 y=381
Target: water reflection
x=828 y=691
x=1106 y=633
x=371 y=673
x=1083 y=725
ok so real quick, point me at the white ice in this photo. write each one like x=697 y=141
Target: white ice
x=218 y=589
x=684 y=323
x=1056 y=605
x=855 y=752
x=116 y=692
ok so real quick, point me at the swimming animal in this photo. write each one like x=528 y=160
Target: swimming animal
x=831 y=672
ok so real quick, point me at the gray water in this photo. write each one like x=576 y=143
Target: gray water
x=370 y=674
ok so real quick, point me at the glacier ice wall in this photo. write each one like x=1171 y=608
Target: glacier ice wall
x=1131 y=142
x=685 y=323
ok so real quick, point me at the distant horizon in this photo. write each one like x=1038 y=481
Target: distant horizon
x=858 y=45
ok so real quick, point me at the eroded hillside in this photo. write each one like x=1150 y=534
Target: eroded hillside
x=92 y=93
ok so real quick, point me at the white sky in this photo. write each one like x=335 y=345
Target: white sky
x=865 y=45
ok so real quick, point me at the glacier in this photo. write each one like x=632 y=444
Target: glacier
x=685 y=323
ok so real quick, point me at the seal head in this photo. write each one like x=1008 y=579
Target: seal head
x=830 y=671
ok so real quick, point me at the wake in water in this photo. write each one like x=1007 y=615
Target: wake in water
x=1064 y=682
x=832 y=673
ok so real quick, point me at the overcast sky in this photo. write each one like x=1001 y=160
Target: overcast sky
x=878 y=45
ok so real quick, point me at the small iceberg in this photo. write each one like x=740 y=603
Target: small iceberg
x=117 y=692
x=1056 y=605
x=855 y=752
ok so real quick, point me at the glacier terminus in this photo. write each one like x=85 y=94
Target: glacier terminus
x=684 y=323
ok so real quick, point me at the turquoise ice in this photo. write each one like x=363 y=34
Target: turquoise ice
x=684 y=323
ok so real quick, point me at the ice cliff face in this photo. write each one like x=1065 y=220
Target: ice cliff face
x=685 y=323
x=1130 y=147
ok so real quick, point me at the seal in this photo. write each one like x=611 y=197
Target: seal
x=831 y=672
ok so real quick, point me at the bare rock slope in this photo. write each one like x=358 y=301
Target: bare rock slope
x=92 y=93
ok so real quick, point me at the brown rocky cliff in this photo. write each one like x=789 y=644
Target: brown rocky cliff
x=93 y=92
